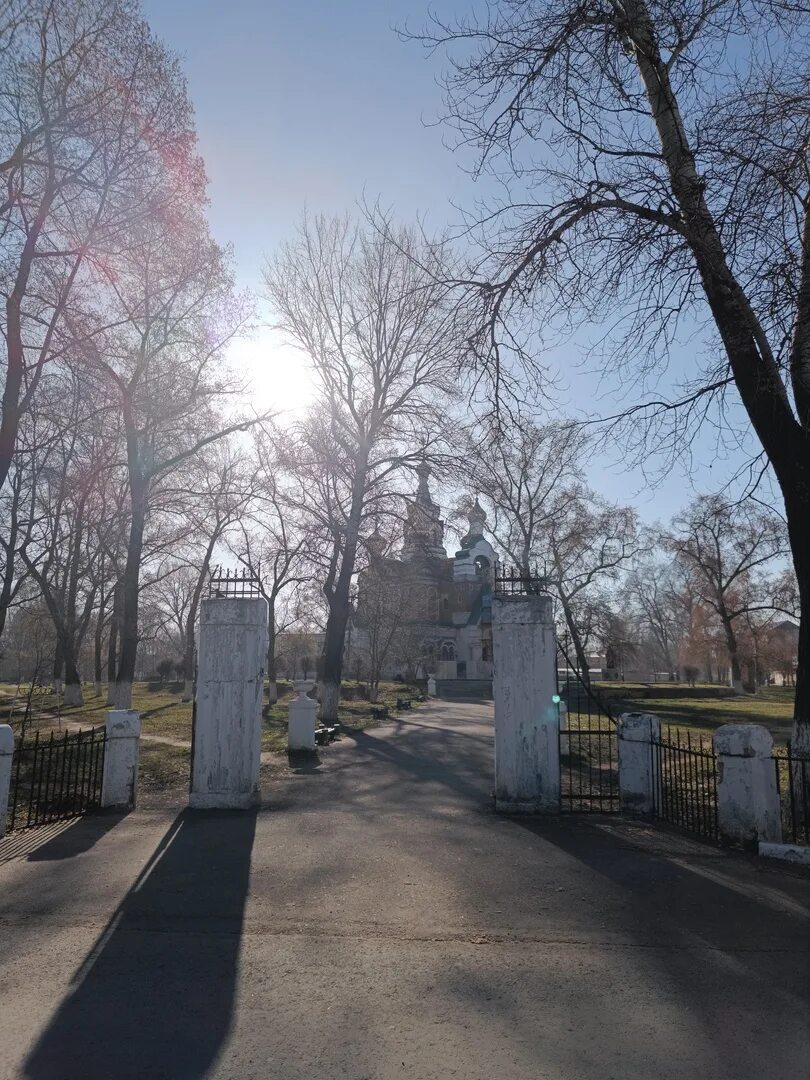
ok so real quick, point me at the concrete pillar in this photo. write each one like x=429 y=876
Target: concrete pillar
x=638 y=762
x=119 y=781
x=6 y=758
x=301 y=722
x=431 y=686
x=524 y=685
x=747 y=796
x=228 y=726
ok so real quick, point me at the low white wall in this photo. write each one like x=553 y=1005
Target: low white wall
x=119 y=782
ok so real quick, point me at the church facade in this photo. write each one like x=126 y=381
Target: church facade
x=441 y=605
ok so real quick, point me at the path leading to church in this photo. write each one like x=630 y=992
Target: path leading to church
x=377 y=920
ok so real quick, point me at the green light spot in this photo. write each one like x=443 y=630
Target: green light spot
x=556 y=699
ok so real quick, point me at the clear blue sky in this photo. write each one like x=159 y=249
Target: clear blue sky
x=314 y=103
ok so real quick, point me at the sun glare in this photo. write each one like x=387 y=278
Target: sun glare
x=277 y=376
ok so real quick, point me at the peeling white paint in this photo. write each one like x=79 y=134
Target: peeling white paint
x=638 y=766
x=119 y=783
x=230 y=676
x=747 y=796
x=527 y=750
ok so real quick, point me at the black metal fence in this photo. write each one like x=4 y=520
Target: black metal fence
x=233 y=584
x=56 y=776
x=589 y=749
x=793 y=785
x=684 y=770
x=511 y=581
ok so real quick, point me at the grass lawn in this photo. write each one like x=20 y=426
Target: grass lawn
x=771 y=706
x=165 y=716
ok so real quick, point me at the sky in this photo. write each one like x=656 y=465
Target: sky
x=317 y=104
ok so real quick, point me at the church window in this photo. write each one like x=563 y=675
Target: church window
x=448 y=650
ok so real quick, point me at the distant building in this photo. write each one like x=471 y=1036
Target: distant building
x=444 y=603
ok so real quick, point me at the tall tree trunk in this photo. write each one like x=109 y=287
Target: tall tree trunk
x=576 y=641
x=58 y=667
x=112 y=643
x=130 y=585
x=331 y=661
x=191 y=620
x=733 y=653
x=272 y=675
x=73 y=680
x=798 y=514
x=757 y=375
x=98 y=646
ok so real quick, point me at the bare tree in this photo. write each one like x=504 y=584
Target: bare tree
x=368 y=308
x=544 y=517
x=518 y=469
x=727 y=546
x=653 y=172
x=94 y=139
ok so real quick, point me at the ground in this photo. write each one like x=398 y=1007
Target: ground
x=377 y=920
x=702 y=708
x=166 y=725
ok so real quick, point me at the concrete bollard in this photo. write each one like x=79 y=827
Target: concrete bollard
x=6 y=758
x=524 y=686
x=119 y=782
x=228 y=724
x=747 y=796
x=301 y=721
x=638 y=762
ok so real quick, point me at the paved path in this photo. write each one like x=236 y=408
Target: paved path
x=376 y=920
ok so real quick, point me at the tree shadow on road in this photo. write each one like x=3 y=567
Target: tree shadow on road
x=155 y=996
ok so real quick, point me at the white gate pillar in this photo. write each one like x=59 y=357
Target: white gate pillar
x=228 y=725
x=119 y=778
x=638 y=762
x=747 y=796
x=524 y=685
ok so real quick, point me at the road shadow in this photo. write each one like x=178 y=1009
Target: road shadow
x=155 y=995
x=84 y=834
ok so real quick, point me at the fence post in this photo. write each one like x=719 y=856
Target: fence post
x=524 y=685
x=638 y=762
x=119 y=783
x=301 y=721
x=747 y=796
x=6 y=758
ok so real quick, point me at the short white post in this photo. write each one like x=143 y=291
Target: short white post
x=228 y=724
x=524 y=686
x=6 y=758
x=119 y=780
x=638 y=762
x=301 y=720
x=431 y=686
x=747 y=795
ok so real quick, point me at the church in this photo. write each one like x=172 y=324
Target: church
x=444 y=603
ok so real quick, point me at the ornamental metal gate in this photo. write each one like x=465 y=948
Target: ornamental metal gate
x=589 y=749
x=684 y=770
x=56 y=777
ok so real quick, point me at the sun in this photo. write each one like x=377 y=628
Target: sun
x=277 y=376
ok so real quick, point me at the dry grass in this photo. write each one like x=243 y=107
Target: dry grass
x=165 y=716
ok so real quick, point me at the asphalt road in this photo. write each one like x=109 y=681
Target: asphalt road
x=377 y=920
